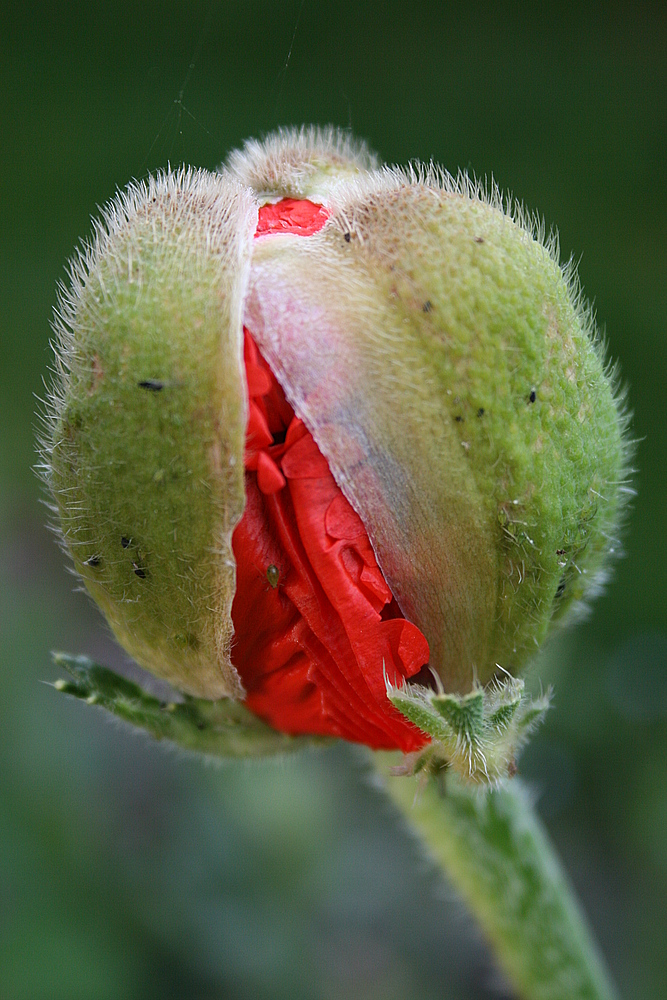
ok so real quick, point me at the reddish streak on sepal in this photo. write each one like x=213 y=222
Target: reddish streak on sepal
x=313 y=650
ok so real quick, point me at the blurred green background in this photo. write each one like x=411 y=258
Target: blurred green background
x=126 y=870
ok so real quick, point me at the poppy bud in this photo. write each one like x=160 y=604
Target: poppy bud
x=357 y=417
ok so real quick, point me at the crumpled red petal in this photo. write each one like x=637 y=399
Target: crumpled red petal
x=316 y=626
x=291 y=215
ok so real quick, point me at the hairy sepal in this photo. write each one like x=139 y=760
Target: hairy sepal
x=477 y=735
x=441 y=359
x=143 y=452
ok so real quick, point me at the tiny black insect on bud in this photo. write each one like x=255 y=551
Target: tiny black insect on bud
x=428 y=305
x=125 y=542
x=480 y=412
x=479 y=239
x=139 y=571
x=272 y=575
x=533 y=396
x=347 y=237
x=152 y=384
x=458 y=418
x=92 y=561
x=560 y=552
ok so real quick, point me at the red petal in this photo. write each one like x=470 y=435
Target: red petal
x=317 y=631
x=301 y=218
x=313 y=650
x=258 y=434
x=258 y=379
x=304 y=460
x=269 y=477
x=341 y=521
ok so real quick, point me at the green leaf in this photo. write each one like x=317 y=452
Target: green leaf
x=224 y=728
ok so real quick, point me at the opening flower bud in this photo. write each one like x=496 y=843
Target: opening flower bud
x=319 y=428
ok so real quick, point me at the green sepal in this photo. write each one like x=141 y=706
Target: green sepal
x=223 y=728
x=478 y=735
x=464 y=715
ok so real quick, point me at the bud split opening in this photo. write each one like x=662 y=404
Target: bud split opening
x=316 y=424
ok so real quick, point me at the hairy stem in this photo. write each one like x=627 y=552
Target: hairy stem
x=494 y=849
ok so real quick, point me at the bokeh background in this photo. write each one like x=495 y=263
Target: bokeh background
x=130 y=871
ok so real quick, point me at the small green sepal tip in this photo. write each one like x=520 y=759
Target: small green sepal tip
x=478 y=735
x=223 y=728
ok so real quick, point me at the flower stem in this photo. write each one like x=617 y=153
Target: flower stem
x=494 y=849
